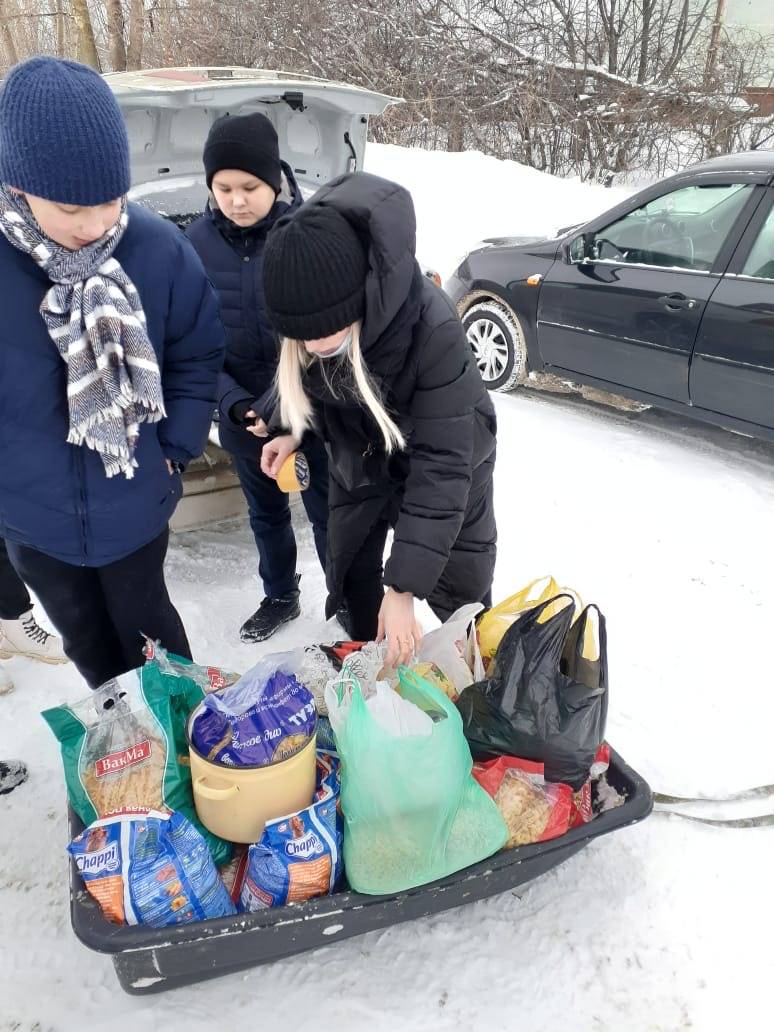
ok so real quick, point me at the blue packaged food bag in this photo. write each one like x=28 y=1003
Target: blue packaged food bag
x=258 y=720
x=298 y=856
x=150 y=868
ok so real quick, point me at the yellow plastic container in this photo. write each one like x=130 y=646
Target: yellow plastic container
x=234 y=803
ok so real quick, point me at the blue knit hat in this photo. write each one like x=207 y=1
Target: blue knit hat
x=62 y=135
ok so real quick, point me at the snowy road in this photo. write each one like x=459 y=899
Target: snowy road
x=664 y=926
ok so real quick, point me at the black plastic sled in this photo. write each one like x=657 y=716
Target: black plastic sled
x=151 y=960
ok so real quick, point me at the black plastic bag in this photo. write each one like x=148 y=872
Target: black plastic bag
x=546 y=695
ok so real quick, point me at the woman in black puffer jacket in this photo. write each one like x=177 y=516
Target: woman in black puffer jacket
x=375 y=360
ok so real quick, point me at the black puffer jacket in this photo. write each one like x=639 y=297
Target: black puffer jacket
x=438 y=493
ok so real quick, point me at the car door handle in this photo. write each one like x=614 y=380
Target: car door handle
x=676 y=302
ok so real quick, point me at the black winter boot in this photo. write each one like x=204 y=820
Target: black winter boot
x=342 y=615
x=270 y=615
x=12 y=774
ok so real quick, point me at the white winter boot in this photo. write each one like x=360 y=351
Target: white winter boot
x=25 y=637
x=6 y=684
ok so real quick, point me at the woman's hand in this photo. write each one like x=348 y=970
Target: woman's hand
x=275 y=453
x=399 y=626
x=258 y=428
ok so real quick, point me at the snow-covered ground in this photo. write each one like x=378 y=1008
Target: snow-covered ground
x=662 y=926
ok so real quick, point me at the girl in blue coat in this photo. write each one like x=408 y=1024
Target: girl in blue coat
x=251 y=189
x=110 y=348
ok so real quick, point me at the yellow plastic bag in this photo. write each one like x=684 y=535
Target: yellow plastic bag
x=493 y=624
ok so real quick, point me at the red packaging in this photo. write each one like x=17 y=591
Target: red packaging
x=534 y=809
x=581 y=800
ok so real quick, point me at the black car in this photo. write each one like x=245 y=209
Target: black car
x=667 y=298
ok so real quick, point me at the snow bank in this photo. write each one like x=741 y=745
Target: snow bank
x=460 y=198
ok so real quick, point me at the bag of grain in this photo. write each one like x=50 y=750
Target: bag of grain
x=413 y=813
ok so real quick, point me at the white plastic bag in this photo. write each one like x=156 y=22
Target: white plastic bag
x=453 y=648
x=394 y=714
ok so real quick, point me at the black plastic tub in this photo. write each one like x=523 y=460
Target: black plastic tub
x=151 y=960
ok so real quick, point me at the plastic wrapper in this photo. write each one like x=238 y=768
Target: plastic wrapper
x=395 y=715
x=313 y=666
x=124 y=747
x=496 y=621
x=533 y=809
x=209 y=679
x=150 y=868
x=545 y=698
x=259 y=720
x=449 y=656
x=413 y=812
x=233 y=873
x=537 y=810
x=298 y=856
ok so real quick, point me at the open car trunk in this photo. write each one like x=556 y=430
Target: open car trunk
x=322 y=127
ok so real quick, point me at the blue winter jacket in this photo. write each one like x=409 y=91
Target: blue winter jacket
x=55 y=497
x=233 y=258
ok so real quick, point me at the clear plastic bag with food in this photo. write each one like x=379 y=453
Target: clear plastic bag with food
x=534 y=810
x=124 y=747
x=263 y=718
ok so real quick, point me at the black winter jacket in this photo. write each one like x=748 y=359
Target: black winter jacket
x=437 y=494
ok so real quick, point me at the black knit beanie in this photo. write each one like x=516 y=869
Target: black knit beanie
x=245 y=142
x=314 y=273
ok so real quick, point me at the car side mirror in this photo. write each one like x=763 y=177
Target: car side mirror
x=580 y=250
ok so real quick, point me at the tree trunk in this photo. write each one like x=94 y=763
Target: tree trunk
x=712 y=52
x=612 y=46
x=136 y=34
x=61 y=39
x=115 y=31
x=87 y=46
x=647 y=14
x=6 y=38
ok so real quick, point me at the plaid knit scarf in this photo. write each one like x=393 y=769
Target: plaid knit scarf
x=94 y=315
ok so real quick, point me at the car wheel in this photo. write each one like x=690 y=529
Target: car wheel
x=497 y=340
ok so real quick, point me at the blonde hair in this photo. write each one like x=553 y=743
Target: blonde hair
x=296 y=408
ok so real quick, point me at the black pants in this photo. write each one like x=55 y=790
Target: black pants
x=364 y=589
x=269 y=510
x=102 y=612
x=14 y=597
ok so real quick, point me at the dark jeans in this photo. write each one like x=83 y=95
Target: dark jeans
x=364 y=590
x=14 y=597
x=102 y=612
x=269 y=510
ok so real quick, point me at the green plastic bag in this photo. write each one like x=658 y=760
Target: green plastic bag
x=124 y=746
x=413 y=812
